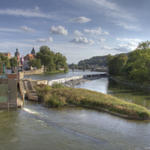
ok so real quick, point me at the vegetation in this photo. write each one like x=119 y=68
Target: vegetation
x=4 y=61
x=58 y=95
x=13 y=62
x=51 y=61
x=35 y=63
x=92 y=63
x=134 y=66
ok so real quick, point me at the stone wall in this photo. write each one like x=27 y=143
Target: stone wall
x=37 y=71
x=8 y=96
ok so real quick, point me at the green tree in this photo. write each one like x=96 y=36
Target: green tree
x=35 y=63
x=117 y=64
x=13 y=63
x=144 y=45
x=51 y=61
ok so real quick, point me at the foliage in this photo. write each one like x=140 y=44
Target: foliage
x=35 y=63
x=56 y=97
x=13 y=62
x=51 y=61
x=144 y=45
x=117 y=64
x=4 y=60
x=97 y=61
x=134 y=66
x=58 y=85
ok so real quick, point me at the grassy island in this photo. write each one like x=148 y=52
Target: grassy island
x=59 y=96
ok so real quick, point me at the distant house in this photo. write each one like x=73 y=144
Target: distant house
x=27 y=58
x=7 y=55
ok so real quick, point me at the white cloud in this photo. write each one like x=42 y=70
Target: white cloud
x=25 y=13
x=102 y=40
x=58 y=30
x=98 y=31
x=129 y=43
x=78 y=33
x=128 y=26
x=113 y=9
x=81 y=19
x=27 y=29
x=21 y=29
x=82 y=40
x=43 y=40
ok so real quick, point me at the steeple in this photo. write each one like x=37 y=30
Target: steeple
x=33 y=51
x=17 y=53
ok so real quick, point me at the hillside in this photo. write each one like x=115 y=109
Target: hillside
x=94 y=62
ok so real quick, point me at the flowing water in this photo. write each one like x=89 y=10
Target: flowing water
x=38 y=128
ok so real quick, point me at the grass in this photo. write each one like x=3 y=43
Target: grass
x=58 y=96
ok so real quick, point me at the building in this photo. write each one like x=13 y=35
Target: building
x=17 y=54
x=8 y=55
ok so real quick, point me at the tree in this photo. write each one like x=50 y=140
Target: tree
x=117 y=64
x=13 y=62
x=51 y=61
x=35 y=63
x=144 y=45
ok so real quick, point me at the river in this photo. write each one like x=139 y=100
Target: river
x=38 y=128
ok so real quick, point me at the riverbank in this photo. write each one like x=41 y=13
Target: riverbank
x=59 y=96
x=130 y=84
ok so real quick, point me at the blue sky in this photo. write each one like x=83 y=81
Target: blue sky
x=77 y=28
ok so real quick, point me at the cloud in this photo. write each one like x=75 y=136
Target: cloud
x=113 y=9
x=43 y=40
x=82 y=40
x=27 y=29
x=128 y=43
x=102 y=40
x=58 y=30
x=78 y=33
x=25 y=13
x=128 y=26
x=98 y=31
x=81 y=19
x=21 y=29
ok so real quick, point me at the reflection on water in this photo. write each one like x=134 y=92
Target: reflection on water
x=106 y=86
x=100 y=85
x=38 y=128
x=129 y=94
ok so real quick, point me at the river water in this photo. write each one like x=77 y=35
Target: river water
x=38 y=128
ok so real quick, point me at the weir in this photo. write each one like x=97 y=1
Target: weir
x=29 y=84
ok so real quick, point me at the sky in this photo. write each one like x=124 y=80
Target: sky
x=79 y=29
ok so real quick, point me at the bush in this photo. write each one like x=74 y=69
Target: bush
x=58 y=85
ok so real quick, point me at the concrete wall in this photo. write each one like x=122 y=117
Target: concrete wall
x=9 y=95
x=63 y=80
x=37 y=71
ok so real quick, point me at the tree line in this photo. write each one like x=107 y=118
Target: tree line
x=50 y=60
x=133 y=66
x=45 y=57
